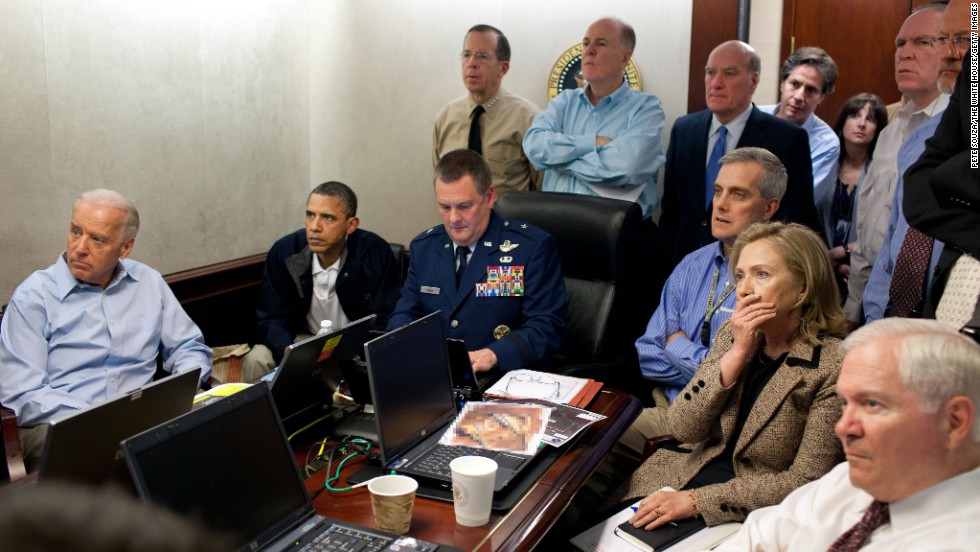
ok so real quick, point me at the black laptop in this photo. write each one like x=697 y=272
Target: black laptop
x=412 y=392
x=311 y=369
x=470 y=384
x=84 y=447
x=228 y=465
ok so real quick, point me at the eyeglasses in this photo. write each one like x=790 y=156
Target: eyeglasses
x=960 y=42
x=528 y=386
x=921 y=43
x=481 y=57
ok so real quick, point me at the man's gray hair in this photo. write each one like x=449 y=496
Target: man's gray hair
x=111 y=198
x=934 y=360
x=773 y=183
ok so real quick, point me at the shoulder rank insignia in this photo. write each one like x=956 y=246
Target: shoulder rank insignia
x=507 y=247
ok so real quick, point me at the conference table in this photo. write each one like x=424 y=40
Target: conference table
x=519 y=528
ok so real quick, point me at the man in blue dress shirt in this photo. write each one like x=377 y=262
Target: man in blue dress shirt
x=497 y=282
x=604 y=139
x=699 y=295
x=91 y=326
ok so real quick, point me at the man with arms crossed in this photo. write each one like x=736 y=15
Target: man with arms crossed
x=909 y=391
x=91 y=326
x=497 y=281
x=604 y=139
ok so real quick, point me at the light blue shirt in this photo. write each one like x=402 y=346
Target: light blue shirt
x=561 y=141
x=876 y=298
x=824 y=151
x=683 y=304
x=65 y=345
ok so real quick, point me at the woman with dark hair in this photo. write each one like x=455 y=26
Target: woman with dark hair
x=858 y=126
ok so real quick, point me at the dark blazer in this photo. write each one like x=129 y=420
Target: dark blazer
x=536 y=321
x=787 y=441
x=685 y=222
x=942 y=192
x=368 y=283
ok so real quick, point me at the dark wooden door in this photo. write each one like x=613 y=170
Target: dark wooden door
x=858 y=34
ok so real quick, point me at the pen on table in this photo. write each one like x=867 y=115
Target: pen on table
x=636 y=509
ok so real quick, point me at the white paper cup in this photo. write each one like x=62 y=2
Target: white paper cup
x=473 y=478
x=392 y=499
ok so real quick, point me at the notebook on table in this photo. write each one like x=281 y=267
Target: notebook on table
x=255 y=493
x=304 y=382
x=412 y=393
x=84 y=447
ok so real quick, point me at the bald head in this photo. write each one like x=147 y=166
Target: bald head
x=730 y=79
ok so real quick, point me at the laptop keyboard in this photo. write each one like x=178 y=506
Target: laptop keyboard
x=436 y=462
x=337 y=537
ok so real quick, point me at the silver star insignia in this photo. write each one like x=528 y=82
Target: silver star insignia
x=524 y=226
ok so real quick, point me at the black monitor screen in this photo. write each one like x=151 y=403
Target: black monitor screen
x=411 y=384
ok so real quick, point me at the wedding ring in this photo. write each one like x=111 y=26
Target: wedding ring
x=657 y=511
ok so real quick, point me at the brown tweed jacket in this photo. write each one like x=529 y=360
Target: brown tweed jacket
x=787 y=440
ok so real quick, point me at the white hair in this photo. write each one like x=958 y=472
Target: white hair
x=934 y=360
x=110 y=198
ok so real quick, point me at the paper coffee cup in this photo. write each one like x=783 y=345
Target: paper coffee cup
x=473 y=478
x=392 y=498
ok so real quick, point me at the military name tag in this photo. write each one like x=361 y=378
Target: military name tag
x=430 y=290
x=502 y=281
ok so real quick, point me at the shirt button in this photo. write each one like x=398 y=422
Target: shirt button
x=454 y=324
x=115 y=349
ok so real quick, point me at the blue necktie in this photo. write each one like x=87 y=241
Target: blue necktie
x=711 y=171
x=461 y=254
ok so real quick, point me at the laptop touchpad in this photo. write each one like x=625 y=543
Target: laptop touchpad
x=508 y=461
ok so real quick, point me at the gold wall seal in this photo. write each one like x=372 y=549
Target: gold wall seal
x=567 y=73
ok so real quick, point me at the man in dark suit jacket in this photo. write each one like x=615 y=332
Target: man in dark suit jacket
x=506 y=297
x=731 y=76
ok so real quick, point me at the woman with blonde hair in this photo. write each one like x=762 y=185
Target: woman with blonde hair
x=757 y=420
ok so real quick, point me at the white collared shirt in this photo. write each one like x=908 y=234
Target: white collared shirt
x=325 y=305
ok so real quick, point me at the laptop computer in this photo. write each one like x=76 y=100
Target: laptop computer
x=84 y=447
x=311 y=369
x=412 y=392
x=470 y=384
x=247 y=486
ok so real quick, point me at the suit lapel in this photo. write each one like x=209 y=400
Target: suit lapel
x=754 y=132
x=699 y=150
x=783 y=382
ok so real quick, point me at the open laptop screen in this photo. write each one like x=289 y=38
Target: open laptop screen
x=411 y=385
x=227 y=464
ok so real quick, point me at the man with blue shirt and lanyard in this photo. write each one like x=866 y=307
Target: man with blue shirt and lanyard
x=698 y=297
x=497 y=282
x=91 y=326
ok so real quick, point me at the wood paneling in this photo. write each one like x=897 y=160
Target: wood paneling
x=858 y=34
x=712 y=22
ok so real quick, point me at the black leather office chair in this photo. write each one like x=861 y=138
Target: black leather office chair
x=606 y=256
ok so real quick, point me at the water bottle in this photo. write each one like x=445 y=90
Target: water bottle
x=326 y=326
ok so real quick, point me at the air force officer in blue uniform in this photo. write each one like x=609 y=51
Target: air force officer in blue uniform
x=509 y=304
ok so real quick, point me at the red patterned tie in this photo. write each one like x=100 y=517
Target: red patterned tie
x=853 y=538
x=908 y=280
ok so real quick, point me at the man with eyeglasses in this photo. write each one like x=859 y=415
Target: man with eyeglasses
x=897 y=285
x=943 y=187
x=917 y=59
x=604 y=139
x=488 y=119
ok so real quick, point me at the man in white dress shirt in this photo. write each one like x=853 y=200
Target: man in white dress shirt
x=909 y=391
